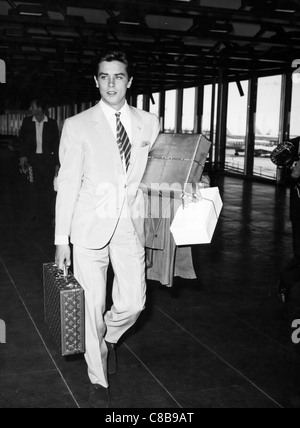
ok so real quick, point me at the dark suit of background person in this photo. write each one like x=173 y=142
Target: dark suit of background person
x=43 y=158
x=291 y=273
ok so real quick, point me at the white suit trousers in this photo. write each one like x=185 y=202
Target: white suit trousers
x=129 y=294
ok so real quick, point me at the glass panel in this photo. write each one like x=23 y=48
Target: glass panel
x=267 y=125
x=207 y=112
x=189 y=110
x=154 y=108
x=170 y=111
x=295 y=116
x=140 y=102
x=236 y=127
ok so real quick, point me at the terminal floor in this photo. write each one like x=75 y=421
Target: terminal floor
x=221 y=341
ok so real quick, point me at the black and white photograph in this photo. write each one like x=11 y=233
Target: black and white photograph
x=150 y=206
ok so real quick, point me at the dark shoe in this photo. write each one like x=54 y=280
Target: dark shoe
x=112 y=358
x=99 y=397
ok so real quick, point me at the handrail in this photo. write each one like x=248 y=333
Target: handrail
x=238 y=168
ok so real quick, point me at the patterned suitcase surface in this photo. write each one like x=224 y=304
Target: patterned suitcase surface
x=64 y=310
x=175 y=163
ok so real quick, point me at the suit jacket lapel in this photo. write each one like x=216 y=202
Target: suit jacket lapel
x=137 y=129
x=104 y=130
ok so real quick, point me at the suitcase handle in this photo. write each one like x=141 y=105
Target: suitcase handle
x=63 y=275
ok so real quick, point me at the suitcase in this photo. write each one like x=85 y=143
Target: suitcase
x=175 y=163
x=64 y=310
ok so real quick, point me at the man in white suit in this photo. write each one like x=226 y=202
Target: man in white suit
x=103 y=156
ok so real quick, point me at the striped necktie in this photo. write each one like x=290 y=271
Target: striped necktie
x=123 y=141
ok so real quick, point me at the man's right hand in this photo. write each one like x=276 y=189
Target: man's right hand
x=63 y=256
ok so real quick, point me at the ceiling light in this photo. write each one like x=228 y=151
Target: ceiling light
x=287 y=6
x=222 y=28
x=30 y=10
x=126 y=18
x=285 y=10
x=279 y=6
x=129 y=22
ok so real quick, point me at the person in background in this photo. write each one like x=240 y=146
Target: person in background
x=291 y=274
x=39 y=143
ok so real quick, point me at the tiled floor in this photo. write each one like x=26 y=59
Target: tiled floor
x=221 y=341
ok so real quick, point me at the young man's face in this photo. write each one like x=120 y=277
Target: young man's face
x=113 y=82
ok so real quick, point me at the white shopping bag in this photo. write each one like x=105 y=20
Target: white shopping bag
x=195 y=223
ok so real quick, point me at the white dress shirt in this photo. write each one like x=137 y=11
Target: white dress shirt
x=39 y=126
x=125 y=118
x=110 y=114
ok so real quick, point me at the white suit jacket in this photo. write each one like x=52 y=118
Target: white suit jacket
x=93 y=188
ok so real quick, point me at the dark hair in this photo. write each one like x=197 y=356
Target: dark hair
x=40 y=104
x=119 y=56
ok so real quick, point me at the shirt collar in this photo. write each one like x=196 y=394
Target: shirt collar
x=110 y=112
x=44 y=121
